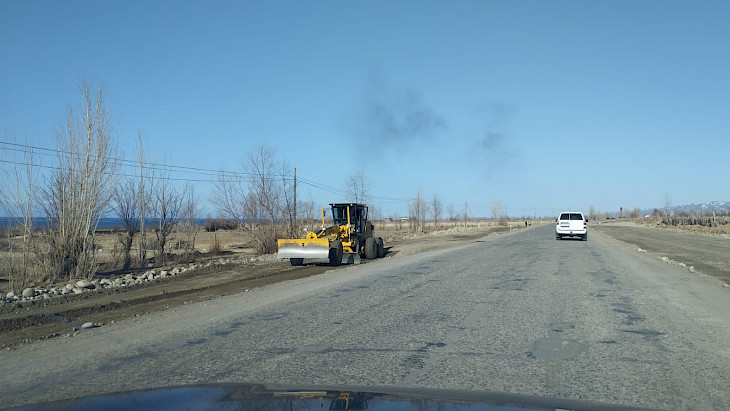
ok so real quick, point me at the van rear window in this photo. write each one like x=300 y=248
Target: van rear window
x=575 y=216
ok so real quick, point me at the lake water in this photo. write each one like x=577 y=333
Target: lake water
x=106 y=222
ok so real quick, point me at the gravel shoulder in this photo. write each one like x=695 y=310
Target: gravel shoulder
x=706 y=254
x=63 y=316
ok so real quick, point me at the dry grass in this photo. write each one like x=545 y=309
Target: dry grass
x=722 y=227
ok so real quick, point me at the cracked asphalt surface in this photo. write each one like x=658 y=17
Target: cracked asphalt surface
x=518 y=313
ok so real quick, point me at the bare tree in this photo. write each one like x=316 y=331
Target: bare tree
x=79 y=190
x=376 y=214
x=397 y=220
x=251 y=209
x=167 y=203
x=305 y=209
x=125 y=203
x=263 y=199
x=667 y=204
x=230 y=195
x=496 y=210
x=287 y=197
x=17 y=200
x=358 y=187
x=143 y=202
x=188 y=226
x=417 y=213
x=498 y=213
x=266 y=192
x=436 y=210
x=591 y=212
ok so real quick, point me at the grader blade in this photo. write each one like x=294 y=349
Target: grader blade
x=310 y=248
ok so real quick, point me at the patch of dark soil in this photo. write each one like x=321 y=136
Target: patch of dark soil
x=59 y=316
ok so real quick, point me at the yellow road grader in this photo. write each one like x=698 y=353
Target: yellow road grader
x=345 y=242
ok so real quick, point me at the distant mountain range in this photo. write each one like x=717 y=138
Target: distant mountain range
x=716 y=206
x=719 y=207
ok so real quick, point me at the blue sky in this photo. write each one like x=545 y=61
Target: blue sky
x=538 y=105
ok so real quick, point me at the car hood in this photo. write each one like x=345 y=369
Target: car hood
x=280 y=397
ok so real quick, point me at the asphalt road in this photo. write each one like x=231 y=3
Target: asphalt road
x=519 y=313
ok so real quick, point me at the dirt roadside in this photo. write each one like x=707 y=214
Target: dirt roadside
x=706 y=254
x=63 y=316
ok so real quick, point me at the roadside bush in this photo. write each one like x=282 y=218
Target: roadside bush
x=212 y=225
x=694 y=221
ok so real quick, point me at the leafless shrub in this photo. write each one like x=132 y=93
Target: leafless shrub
x=215 y=246
x=693 y=220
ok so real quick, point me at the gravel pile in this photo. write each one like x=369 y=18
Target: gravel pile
x=126 y=280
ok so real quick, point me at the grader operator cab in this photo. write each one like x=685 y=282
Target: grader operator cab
x=346 y=241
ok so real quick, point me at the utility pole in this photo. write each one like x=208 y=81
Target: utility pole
x=418 y=213
x=294 y=223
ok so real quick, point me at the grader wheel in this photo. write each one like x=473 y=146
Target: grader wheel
x=371 y=249
x=335 y=254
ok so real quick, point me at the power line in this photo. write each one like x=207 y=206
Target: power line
x=192 y=180
x=223 y=176
x=28 y=149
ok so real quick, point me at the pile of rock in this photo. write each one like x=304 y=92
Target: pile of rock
x=690 y=268
x=126 y=280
